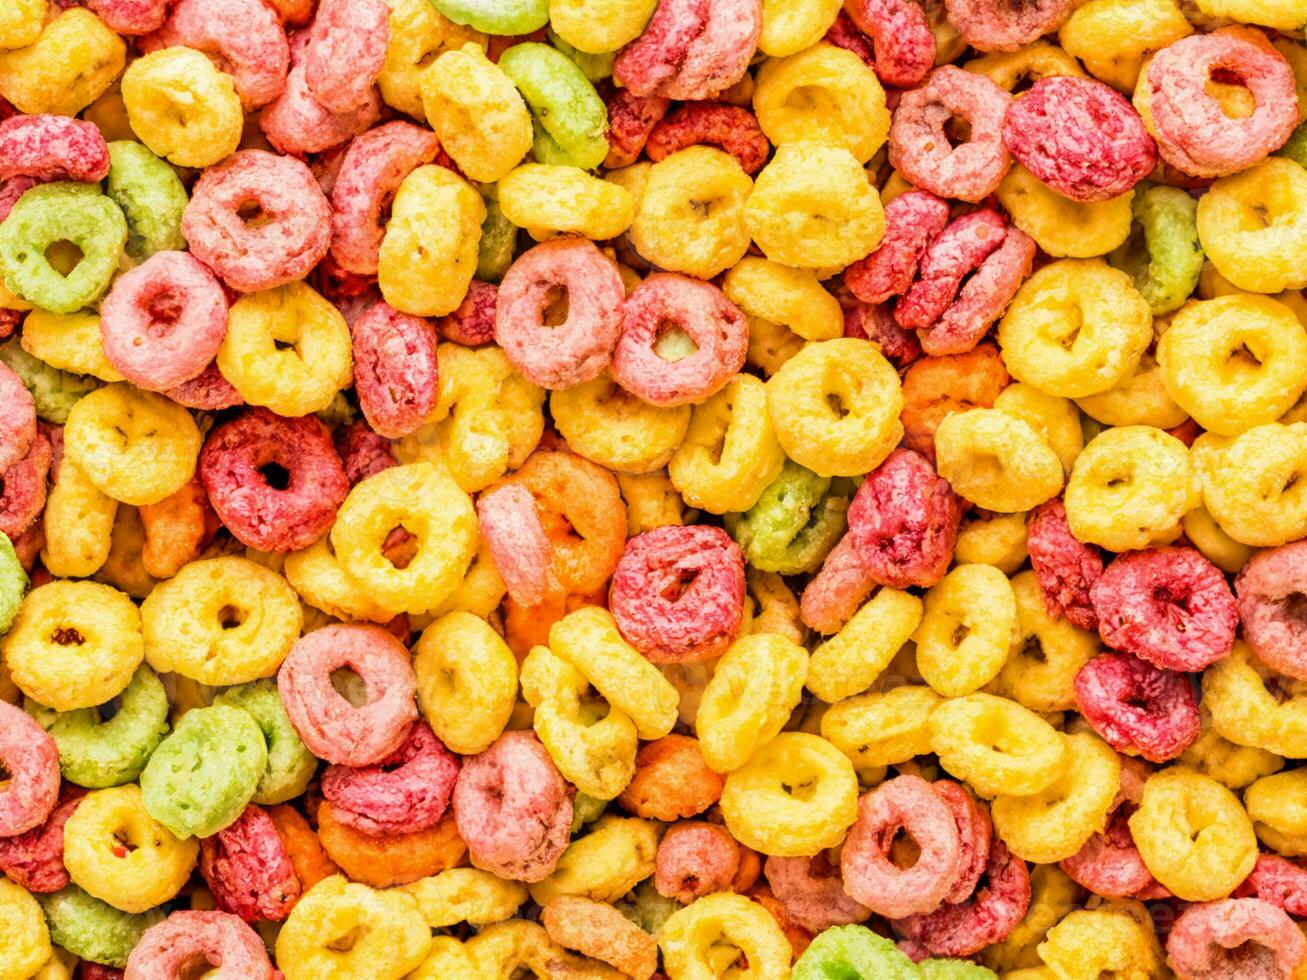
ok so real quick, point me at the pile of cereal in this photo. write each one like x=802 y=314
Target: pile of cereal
x=679 y=489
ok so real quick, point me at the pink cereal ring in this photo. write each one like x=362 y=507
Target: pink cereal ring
x=845 y=34
x=1279 y=881
x=1137 y=707
x=837 y=591
x=982 y=298
x=905 y=803
x=631 y=118
x=163 y=321
x=374 y=166
x=812 y=893
x=362 y=450
x=11 y=191
x=296 y=123
x=903 y=44
x=912 y=220
x=1237 y=937
x=513 y=809
x=131 y=17
x=48 y=147
x=1270 y=588
x=208 y=391
x=1109 y=864
x=522 y=553
x=35 y=858
x=1170 y=606
x=1193 y=132
x=975 y=832
x=473 y=323
x=728 y=127
x=695 y=858
x=956 y=252
x=719 y=330
x=691 y=49
x=30 y=758
x=332 y=727
x=678 y=593
x=286 y=237
x=407 y=791
x=574 y=272
x=919 y=147
x=23 y=490
x=244 y=37
x=276 y=483
x=1006 y=25
x=248 y=869
x=395 y=372
x=875 y=322
x=1065 y=568
x=347 y=48
x=17 y=419
x=173 y=948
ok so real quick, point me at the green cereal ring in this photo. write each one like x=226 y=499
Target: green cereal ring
x=503 y=17
x=1166 y=259
x=50 y=213
x=562 y=100
x=648 y=910
x=1295 y=148
x=202 y=775
x=290 y=764
x=150 y=194
x=595 y=67
x=933 y=969
x=586 y=810
x=13 y=583
x=498 y=242
x=96 y=752
x=55 y=392
x=92 y=929
x=851 y=953
x=794 y=524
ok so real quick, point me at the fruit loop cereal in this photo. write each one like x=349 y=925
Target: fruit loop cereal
x=667 y=489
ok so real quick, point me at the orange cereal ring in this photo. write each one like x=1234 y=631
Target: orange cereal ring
x=671 y=781
x=307 y=857
x=598 y=930
x=177 y=528
x=938 y=386
x=390 y=859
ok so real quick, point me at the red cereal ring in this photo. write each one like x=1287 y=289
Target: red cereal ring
x=208 y=391
x=1080 y=137
x=473 y=323
x=332 y=727
x=1277 y=880
x=1006 y=25
x=678 y=593
x=919 y=147
x=1237 y=937
x=248 y=869
x=177 y=946
x=276 y=483
x=131 y=17
x=568 y=278
x=9 y=319
x=837 y=591
x=23 y=489
x=812 y=893
x=719 y=330
x=955 y=253
x=875 y=322
x=1109 y=864
x=912 y=220
x=281 y=242
x=975 y=831
x=903 y=44
x=695 y=858
x=691 y=49
x=727 y=127
x=296 y=123
x=845 y=34
x=17 y=419
x=1136 y=707
x=362 y=451
x=1194 y=134
x=333 y=282
x=35 y=858
x=395 y=373
x=983 y=297
x=47 y=147
x=521 y=551
x=905 y=803
x=1170 y=606
x=347 y=49
x=162 y=322
x=1270 y=590
x=243 y=37
x=631 y=118
x=904 y=521
x=371 y=170
x=513 y=808
x=86 y=970
x=1065 y=568
x=965 y=928
x=30 y=758
x=408 y=790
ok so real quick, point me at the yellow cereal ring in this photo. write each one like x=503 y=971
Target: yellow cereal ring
x=75 y=59
x=755 y=686
x=466 y=681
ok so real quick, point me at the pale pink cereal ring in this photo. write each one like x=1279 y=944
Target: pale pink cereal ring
x=912 y=220
x=243 y=37
x=1238 y=937
x=286 y=236
x=691 y=49
x=695 y=858
x=975 y=831
x=373 y=167
x=296 y=123
x=1270 y=589
x=48 y=147
x=162 y=322
x=473 y=323
x=395 y=373
x=172 y=949
x=17 y=419
x=208 y=391
x=332 y=727
x=23 y=490
x=12 y=190
x=903 y=43
x=812 y=893
x=522 y=553
x=837 y=591
x=983 y=297
x=1193 y=132
x=131 y=17
x=919 y=147
x=248 y=869
x=1006 y=25
x=362 y=451
x=905 y=803
x=1273 y=879
x=956 y=253
x=30 y=759
x=1109 y=864
x=699 y=309
x=571 y=279
x=347 y=48
x=513 y=809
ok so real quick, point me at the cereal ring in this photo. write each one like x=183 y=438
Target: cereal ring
x=34 y=859
x=631 y=118
x=71 y=63
x=1166 y=268
x=570 y=116
x=600 y=931
x=811 y=890
x=473 y=323
x=150 y=194
x=214 y=939
x=794 y=524
x=559 y=312
x=726 y=127
x=184 y=108
x=1066 y=568
x=496 y=17
x=362 y=451
x=1238 y=935
x=276 y=483
x=975 y=835
x=1274 y=879
x=290 y=764
x=258 y=220
x=52 y=148
x=958 y=251
x=837 y=591
x=1000 y=25
x=1109 y=863
x=903 y=46
x=1137 y=707
x=522 y=553
x=936 y=387
x=331 y=726
x=1268 y=587
x=912 y=221
x=31 y=759
x=672 y=780
x=406 y=791
x=163 y=321
x=248 y=868
x=347 y=49
x=677 y=593
x=17 y=422
x=1170 y=606
x=695 y=858
x=920 y=150
x=94 y=930
x=295 y=123
x=305 y=850
x=208 y=391
x=131 y=17
x=691 y=50
x=395 y=369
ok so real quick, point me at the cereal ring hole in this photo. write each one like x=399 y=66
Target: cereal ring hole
x=903 y=850
x=1229 y=90
x=252 y=213
x=672 y=343
x=557 y=306
x=230 y=617
x=64 y=256
x=350 y=685
x=275 y=475
x=400 y=547
x=67 y=636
